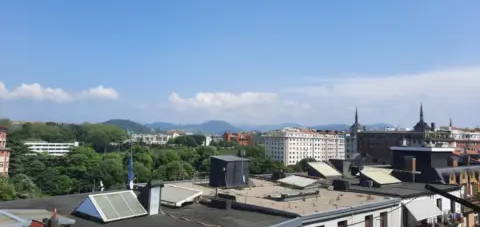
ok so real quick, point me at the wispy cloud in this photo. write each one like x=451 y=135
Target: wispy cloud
x=244 y=106
x=454 y=83
x=395 y=98
x=391 y=98
x=223 y=100
x=37 y=92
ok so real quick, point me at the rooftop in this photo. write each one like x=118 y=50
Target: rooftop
x=402 y=190
x=324 y=169
x=229 y=158
x=191 y=215
x=324 y=200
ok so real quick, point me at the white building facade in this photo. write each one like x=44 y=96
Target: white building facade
x=290 y=145
x=159 y=139
x=56 y=149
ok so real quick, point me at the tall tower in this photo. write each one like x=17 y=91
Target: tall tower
x=356 y=127
x=351 y=137
x=421 y=125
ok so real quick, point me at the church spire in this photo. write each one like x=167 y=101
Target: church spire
x=421 y=112
x=451 y=124
x=421 y=126
x=356 y=115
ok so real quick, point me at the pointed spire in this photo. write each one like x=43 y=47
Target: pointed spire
x=421 y=112
x=356 y=115
x=451 y=125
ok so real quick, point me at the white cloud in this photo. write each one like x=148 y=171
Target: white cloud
x=37 y=92
x=459 y=83
x=236 y=107
x=100 y=92
x=223 y=100
x=395 y=98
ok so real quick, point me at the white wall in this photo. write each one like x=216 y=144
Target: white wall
x=357 y=220
x=394 y=214
x=433 y=199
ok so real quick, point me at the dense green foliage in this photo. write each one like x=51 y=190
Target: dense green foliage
x=33 y=175
x=129 y=126
x=99 y=136
x=189 y=140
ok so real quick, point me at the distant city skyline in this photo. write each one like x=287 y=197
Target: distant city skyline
x=245 y=63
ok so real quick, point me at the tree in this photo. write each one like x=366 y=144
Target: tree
x=189 y=140
x=83 y=166
x=143 y=173
x=145 y=158
x=52 y=182
x=178 y=170
x=7 y=191
x=25 y=187
x=100 y=135
x=5 y=122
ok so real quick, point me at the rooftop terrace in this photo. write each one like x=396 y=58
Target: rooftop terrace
x=195 y=215
x=325 y=200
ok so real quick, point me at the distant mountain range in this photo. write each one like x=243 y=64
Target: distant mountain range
x=216 y=127
x=129 y=125
x=219 y=127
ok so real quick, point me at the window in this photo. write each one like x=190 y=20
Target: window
x=439 y=205
x=452 y=206
x=342 y=224
x=369 y=221
x=384 y=219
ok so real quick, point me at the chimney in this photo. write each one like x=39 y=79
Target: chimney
x=411 y=166
x=433 y=126
x=453 y=162
x=150 y=197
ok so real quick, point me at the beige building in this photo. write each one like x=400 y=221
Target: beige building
x=290 y=145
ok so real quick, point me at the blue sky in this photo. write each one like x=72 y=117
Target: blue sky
x=255 y=62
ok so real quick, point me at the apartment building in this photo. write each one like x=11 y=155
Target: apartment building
x=56 y=149
x=4 y=153
x=290 y=145
x=160 y=139
x=243 y=138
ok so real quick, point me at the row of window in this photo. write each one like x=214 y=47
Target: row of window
x=368 y=221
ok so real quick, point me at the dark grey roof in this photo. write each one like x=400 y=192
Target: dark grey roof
x=230 y=158
x=402 y=190
x=190 y=215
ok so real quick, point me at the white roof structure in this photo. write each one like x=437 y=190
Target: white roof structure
x=297 y=181
x=379 y=176
x=324 y=169
x=111 y=206
x=422 y=208
x=173 y=195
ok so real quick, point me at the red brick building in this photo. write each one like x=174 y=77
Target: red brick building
x=243 y=138
x=4 y=153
